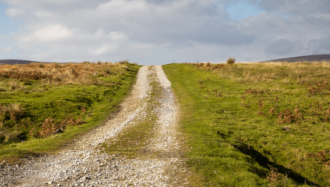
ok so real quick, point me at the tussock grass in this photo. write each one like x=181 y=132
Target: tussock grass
x=55 y=73
x=39 y=99
x=269 y=127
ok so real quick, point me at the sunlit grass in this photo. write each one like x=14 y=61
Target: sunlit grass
x=256 y=124
x=33 y=108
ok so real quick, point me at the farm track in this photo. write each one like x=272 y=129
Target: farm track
x=84 y=163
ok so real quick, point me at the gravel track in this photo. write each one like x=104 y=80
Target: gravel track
x=83 y=164
x=167 y=133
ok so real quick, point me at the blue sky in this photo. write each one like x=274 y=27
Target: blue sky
x=8 y=25
x=242 y=9
x=160 y=31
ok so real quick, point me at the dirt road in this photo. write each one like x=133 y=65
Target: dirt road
x=83 y=163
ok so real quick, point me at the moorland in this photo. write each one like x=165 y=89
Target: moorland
x=245 y=124
x=45 y=105
x=255 y=124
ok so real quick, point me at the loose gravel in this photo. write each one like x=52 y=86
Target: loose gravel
x=167 y=133
x=82 y=163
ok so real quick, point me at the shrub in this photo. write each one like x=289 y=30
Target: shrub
x=48 y=127
x=123 y=62
x=231 y=61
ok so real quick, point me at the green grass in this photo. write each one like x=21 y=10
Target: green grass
x=41 y=101
x=231 y=145
x=133 y=140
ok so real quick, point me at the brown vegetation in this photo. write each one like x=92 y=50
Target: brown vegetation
x=78 y=73
x=49 y=126
x=254 y=91
x=322 y=156
x=274 y=176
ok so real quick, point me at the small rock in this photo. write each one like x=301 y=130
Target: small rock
x=57 y=131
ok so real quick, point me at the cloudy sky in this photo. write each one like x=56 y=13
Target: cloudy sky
x=163 y=31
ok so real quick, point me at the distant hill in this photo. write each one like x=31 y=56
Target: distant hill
x=309 y=58
x=15 y=62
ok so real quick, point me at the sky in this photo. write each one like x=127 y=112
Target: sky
x=163 y=31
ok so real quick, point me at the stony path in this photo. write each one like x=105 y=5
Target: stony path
x=83 y=164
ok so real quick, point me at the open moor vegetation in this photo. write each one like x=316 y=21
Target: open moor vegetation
x=256 y=124
x=39 y=100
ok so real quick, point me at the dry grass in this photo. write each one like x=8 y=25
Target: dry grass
x=263 y=72
x=55 y=73
x=49 y=127
x=274 y=177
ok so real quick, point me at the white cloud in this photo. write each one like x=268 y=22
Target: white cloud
x=117 y=36
x=5 y=50
x=14 y=12
x=43 y=14
x=122 y=7
x=47 y=34
x=160 y=31
x=102 y=50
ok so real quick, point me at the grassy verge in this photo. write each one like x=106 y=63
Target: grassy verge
x=133 y=140
x=255 y=124
x=72 y=98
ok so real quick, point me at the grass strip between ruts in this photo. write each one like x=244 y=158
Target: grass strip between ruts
x=133 y=140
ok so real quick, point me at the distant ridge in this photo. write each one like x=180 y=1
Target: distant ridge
x=11 y=62
x=309 y=58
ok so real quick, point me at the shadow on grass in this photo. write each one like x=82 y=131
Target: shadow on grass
x=264 y=161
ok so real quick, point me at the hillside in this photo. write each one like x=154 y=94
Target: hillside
x=38 y=99
x=309 y=58
x=14 y=61
x=255 y=124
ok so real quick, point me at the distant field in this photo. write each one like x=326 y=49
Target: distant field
x=39 y=99
x=258 y=124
